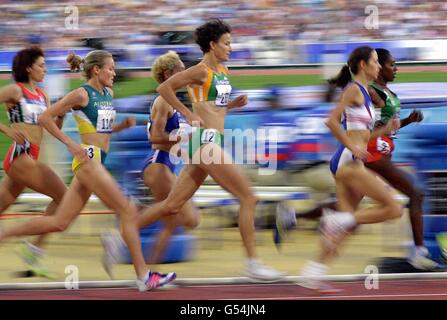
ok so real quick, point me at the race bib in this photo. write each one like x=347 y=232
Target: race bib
x=89 y=151
x=148 y=128
x=223 y=89
x=210 y=136
x=32 y=110
x=106 y=118
x=92 y=152
x=383 y=146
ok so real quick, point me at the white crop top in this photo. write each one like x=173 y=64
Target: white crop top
x=29 y=108
x=359 y=117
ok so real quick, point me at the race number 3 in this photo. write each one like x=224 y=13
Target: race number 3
x=90 y=151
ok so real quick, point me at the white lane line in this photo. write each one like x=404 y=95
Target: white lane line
x=403 y=281
x=228 y=281
x=326 y=297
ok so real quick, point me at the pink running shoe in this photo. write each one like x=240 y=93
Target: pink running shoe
x=154 y=280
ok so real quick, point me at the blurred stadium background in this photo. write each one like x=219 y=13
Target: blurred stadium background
x=282 y=53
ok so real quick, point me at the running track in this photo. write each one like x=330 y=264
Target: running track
x=426 y=289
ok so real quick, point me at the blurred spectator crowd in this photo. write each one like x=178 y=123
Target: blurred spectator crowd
x=259 y=22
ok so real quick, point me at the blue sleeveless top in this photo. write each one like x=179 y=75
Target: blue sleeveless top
x=172 y=123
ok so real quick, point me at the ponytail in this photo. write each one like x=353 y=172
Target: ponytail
x=75 y=62
x=340 y=81
x=93 y=58
x=348 y=70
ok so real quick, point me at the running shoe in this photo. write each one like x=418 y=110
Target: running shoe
x=154 y=280
x=318 y=285
x=33 y=257
x=420 y=259
x=442 y=242
x=312 y=277
x=258 y=271
x=332 y=231
x=114 y=247
x=285 y=221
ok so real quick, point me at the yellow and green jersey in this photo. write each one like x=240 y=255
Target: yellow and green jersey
x=216 y=88
x=98 y=115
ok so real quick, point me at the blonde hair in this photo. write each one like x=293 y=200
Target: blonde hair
x=93 y=58
x=165 y=62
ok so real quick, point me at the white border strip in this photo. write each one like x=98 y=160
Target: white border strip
x=218 y=281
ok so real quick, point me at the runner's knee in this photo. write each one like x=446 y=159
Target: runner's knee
x=192 y=223
x=249 y=199
x=395 y=210
x=130 y=212
x=173 y=207
x=59 y=225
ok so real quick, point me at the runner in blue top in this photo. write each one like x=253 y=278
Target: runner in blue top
x=164 y=130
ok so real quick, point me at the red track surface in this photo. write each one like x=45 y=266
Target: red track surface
x=430 y=289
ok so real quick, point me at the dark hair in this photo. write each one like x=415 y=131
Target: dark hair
x=24 y=59
x=210 y=31
x=352 y=66
x=383 y=55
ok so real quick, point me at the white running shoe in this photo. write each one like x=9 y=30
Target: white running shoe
x=114 y=247
x=331 y=229
x=258 y=271
x=318 y=285
x=312 y=277
x=420 y=259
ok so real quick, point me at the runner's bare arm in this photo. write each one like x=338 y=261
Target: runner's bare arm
x=76 y=98
x=194 y=75
x=158 y=134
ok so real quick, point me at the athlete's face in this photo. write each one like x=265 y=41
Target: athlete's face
x=106 y=73
x=37 y=70
x=389 y=69
x=372 y=67
x=222 y=48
